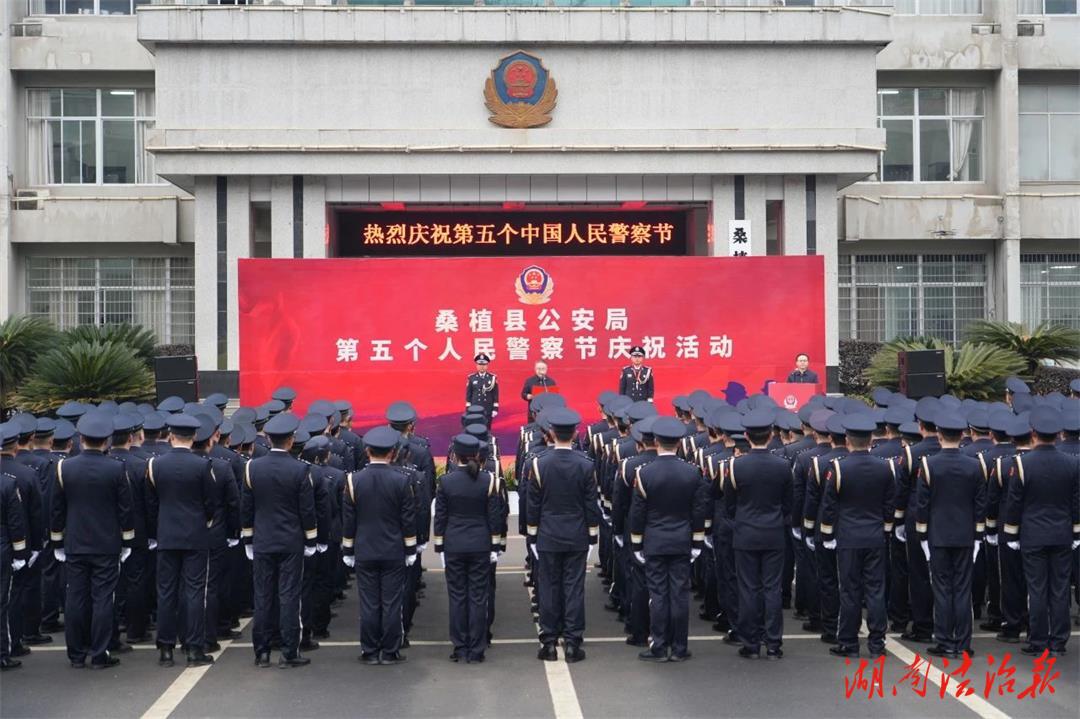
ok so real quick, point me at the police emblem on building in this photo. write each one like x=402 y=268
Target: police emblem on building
x=534 y=286
x=520 y=92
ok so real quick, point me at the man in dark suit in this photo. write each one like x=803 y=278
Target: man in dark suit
x=802 y=374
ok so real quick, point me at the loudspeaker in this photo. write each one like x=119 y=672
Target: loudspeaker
x=917 y=386
x=185 y=389
x=170 y=369
x=921 y=362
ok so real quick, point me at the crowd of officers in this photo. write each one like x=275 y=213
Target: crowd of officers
x=176 y=518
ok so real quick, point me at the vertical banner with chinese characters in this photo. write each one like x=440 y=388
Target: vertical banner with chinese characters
x=374 y=331
x=738 y=238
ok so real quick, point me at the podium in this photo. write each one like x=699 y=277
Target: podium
x=792 y=395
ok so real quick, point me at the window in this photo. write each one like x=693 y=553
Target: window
x=774 y=227
x=931 y=134
x=887 y=296
x=938 y=7
x=155 y=292
x=1050 y=287
x=1047 y=7
x=88 y=136
x=1050 y=132
x=84 y=7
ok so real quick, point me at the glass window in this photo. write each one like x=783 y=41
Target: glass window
x=1047 y=7
x=931 y=134
x=1049 y=132
x=1050 y=289
x=84 y=7
x=155 y=292
x=887 y=296
x=89 y=136
x=938 y=7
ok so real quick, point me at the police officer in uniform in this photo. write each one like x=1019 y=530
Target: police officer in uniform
x=131 y=600
x=482 y=388
x=634 y=601
x=1045 y=527
x=13 y=551
x=759 y=500
x=667 y=532
x=182 y=503
x=379 y=540
x=467 y=520
x=563 y=525
x=856 y=519
x=950 y=519
x=27 y=480
x=636 y=380
x=90 y=528
x=278 y=527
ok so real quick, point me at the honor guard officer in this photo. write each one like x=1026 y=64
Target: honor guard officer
x=182 y=503
x=667 y=532
x=1045 y=527
x=563 y=525
x=285 y=395
x=90 y=528
x=636 y=380
x=482 y=387
x=634 y=602
x=467 y=536
x=278 y=527
x=856 y=519
x=379 y=540
x=950 y=519
x=757 y=493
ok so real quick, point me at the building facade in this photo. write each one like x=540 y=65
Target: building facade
x=929 y=150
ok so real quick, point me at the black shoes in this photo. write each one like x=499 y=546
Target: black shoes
x=309 y=645
x=1031 y=650
x=165 y=657
x=774 y=654
x=212 y=647
x=650 y=656
x=939 y=651
x=990 y=625
x=11 y=664
x=573 y=654
x=681 y=657
x=748 y=653
x=732 y=640
x=369 y=659
x=455 y=657
x=637 y=642
x=913 y=636
x=262 y=660
x=35 y=639
x=1008 y=637
x=548 y=653
x=104 y=663
x=393 y=658
x=294 y=661
x=828 y=638
x=842 y=651
x=198 y=658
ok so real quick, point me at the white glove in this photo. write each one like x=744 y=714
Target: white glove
x=620 y=541
x=1015 y=546
x=152 y=544
x=797 y=533
x=810 y=542
x=442 y=559
x=124 y=554
x=309 y=552
x=410 y=560
x=494 y=557
x=230 y=543
x=320 y=548
x=992 y=540
x=1075 y=544
x=588 y=557
x=33 y=558
x=925 y=549
x=535 y=553
x=901 y=533
x=249 y=551
x=694 y=554
x=17 y=564
x=708 y=541
x=59 y=554
x=420 y=548
x=975 y=551
x=640 y=557
x=350 y=560
x=829 y=544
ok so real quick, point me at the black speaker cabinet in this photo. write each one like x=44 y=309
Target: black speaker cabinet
x=185 y=389
x=921 y=362
x=917 y=386
x=169 y=369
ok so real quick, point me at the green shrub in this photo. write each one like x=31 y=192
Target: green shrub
x=86 y=372
x=141 y=340
x=22 y=339
x=973 y=370
x=1047 y=342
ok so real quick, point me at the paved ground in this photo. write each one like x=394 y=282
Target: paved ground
x=512 y=683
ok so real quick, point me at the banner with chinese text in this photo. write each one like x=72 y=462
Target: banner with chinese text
x=374 y=331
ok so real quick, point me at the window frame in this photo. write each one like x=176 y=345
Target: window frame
x=916 y=136
x=847 y=281
x=99 y=121
x=1044 y=285
x=1046 y=116
x=37 y=8
x=952 y=13
x=1042 y=12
